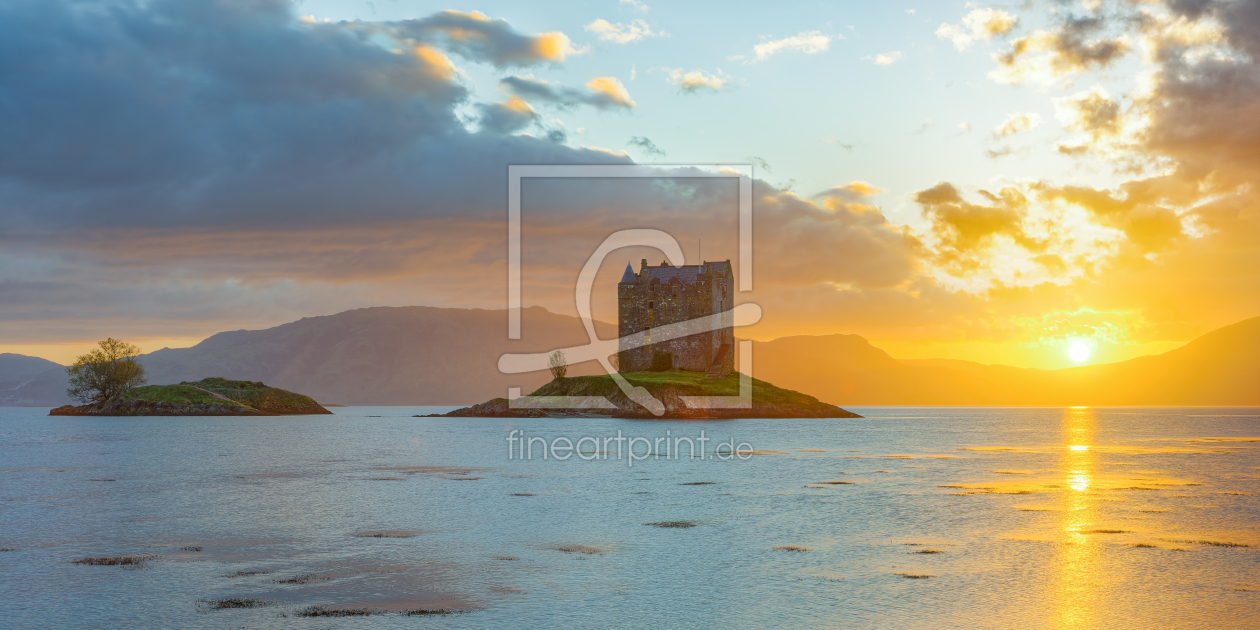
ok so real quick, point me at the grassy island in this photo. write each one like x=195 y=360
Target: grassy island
x=669 y=387
x=207 y=397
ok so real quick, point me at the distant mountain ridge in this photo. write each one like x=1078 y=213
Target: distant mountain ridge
x=1220 y=368
x=412 y=355
x=443 y=356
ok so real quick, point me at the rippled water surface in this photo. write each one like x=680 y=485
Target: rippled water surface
x=968 y=518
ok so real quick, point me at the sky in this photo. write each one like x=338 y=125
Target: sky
x=990 y=182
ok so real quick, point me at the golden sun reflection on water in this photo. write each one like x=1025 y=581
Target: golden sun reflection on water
x=1076 y=591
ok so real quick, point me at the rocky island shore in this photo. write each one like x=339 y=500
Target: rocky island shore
x=207 y=397
x=669 y=387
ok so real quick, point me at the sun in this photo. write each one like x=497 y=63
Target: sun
x=1078 y=351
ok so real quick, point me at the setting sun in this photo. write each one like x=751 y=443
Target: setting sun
x=1078 y=351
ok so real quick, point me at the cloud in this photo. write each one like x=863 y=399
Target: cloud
x=696 y=80
x=635 y=4
x=646 y=145
x=978 y=24
x=509 y=116
x=964 y=127
x=609 y=90
x=623 y=33
x=1139 y=209
x=808 y=42
x=1017 y=123
x=601 y=92
x=884 y=59
x=477 y=37
x=1064 y=50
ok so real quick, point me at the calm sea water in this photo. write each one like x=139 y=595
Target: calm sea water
x=1043 y=518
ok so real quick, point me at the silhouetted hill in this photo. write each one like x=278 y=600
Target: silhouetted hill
x=18 y=379
x=1219 y=368
x=412 y=355
x=423 y=355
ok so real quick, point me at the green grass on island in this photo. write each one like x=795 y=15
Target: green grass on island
x=175 y=395
x=251 y=393
x=246 y=397
x=670 y=387
x=673 y=381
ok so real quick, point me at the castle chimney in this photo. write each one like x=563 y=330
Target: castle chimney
x=642 y=264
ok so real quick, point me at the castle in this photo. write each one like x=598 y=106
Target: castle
x=662 y=295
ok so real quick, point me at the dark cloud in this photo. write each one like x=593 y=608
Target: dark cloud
x=508 y=116
x=476 y=37
x=601 y=93
x=200 y=112
x=646 y=145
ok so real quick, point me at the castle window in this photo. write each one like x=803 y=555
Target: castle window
x=651 y=305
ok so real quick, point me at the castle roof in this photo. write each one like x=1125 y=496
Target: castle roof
x=628 y=276
x=685 y=274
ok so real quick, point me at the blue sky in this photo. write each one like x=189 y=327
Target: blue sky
x=796 y=111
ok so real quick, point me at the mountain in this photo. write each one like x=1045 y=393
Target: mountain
x=21 y=376
x=438 y=356
x=412 y=355
x=1219 y=368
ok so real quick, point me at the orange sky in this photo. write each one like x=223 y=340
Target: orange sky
x=1105 y=198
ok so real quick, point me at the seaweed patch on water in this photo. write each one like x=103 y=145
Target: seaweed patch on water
x=385 y=478
x=914 y=576
x=432 y=470
x=506 y=558
x=838 y=483
x=388 y=534
x=582 y=549
x=305 y=578
x=1106 y=531
x=698 y=483
x=927 y=551
x=190 y=548
x=273 y=475
x=796 y=548
x=245 y=574
x=1209 y=543
x=331 y=611
x=672 y=524
x=117 y=561
x=522 y=494
x=3 y=549
x=232 y=602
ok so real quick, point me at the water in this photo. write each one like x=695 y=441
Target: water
x=1039 y=535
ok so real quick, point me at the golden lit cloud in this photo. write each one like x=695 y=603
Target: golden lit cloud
x=612 y=89
x=1017 y=123
x=979 y=24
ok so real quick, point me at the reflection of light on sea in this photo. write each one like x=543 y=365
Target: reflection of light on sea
x=1077 y=584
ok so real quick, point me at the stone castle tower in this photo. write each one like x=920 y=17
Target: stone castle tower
x=666 y=295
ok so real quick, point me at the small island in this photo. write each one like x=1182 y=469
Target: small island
x=668 y=387
x=207 y=397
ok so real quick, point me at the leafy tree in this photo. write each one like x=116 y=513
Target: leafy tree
x=105 y=372
x=557 y=364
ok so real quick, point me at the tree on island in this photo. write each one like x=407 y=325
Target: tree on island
x=105 y=372
x=557 y=364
